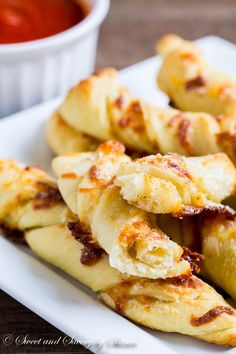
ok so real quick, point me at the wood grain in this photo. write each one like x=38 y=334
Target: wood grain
x=130 y=31
x=128 y=35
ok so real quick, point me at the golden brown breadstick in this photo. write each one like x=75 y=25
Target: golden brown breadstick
x=28 y=196
x=98 y=108
x=218 y=236
x=181 y=304
x=130 y=237
x=214 y=236
x=176 y=184
x=190 y=82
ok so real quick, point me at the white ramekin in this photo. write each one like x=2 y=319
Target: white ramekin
x=32 y=72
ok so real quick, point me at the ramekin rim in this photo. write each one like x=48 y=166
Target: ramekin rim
x=92 y=20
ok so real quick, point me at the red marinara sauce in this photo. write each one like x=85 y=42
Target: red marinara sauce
x=28 y=20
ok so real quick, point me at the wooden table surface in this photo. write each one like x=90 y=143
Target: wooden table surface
x=128 y=35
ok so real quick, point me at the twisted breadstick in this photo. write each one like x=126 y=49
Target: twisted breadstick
x=182 y=304
x=190 y=82
x=219 y=247
x=101 y=108
x=134 y=244
x=28 y=196
x=176 y=184
x=143 y=185
x=212 y=235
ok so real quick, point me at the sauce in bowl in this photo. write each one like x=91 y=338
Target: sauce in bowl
x=28 y=20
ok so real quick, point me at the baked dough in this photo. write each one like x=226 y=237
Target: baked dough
x=182 y=304
x=212 y=235
x=219 y=248
x=102 y=109
x=64 y=139
x=190 y=82
x=185 y=305
x=176 y=184
x=134 y=244
x=29 y=197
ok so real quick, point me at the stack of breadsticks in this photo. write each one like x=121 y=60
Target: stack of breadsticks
x=101 y=225
x=142 y=233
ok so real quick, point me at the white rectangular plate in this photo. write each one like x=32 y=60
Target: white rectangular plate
x=48 y=292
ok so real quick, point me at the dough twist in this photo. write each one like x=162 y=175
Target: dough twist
x=134 y=243
x=190 y=82
x=218 y=236
x=183 y=304
x=212 y=235
x=176 y=184
x=29 y=197
x=98 y=109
